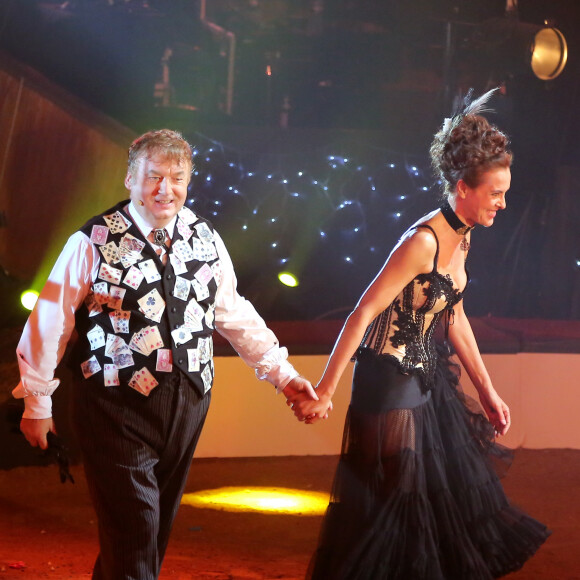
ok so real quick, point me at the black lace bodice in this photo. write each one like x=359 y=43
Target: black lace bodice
x=404 y=330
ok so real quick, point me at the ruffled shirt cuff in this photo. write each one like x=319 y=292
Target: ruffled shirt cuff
x=37 y=407
x=35 y=390
x=275 y=368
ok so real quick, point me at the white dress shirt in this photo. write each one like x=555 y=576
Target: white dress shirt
x=51 y=323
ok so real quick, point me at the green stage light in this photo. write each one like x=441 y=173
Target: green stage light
x=28 y=299
x=288 y=279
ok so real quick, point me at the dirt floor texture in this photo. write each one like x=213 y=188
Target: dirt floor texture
x=48 y=530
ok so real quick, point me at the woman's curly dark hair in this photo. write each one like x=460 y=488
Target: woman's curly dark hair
x=467 y=146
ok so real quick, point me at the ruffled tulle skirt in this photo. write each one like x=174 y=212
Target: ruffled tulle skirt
x=416 y=494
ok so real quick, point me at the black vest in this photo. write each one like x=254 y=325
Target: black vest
x=141 y=317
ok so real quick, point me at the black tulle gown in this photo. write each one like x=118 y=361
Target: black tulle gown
x=416 y=495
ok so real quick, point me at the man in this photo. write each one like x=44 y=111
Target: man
x=144 y=284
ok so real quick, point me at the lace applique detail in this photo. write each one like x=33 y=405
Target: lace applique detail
x=404 y=331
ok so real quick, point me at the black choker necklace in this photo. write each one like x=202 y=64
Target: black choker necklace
x=452 y=219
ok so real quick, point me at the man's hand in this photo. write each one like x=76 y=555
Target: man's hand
x=299 y=389
x=299 y=386
x=299 y=395
x=35 y=431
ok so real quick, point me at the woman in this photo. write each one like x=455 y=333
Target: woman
x=415 y=495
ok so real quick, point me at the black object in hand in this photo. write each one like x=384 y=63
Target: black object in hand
x=59 y=452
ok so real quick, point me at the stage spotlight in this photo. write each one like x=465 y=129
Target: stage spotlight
x=288 y=279
x=28 y=299
x=549 y=53
x=519 y=47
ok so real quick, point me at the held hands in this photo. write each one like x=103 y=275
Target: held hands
x=497 y=411
x=308 y=405
x=35 y=431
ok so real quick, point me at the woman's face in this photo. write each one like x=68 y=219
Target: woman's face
x=480 y=204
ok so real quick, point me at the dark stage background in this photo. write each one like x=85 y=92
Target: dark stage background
x=312 y=120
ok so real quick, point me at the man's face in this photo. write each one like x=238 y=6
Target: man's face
x=158 y=188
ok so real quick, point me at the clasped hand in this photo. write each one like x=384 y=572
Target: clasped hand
x=306 y=404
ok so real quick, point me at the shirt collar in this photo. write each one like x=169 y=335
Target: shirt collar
x=145 y=228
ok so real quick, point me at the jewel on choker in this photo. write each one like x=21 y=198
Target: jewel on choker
x=452 y=219
x=159 y=237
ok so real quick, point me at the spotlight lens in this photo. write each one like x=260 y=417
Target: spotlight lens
x=550 y=53
x=288 y=279
x=28 y=299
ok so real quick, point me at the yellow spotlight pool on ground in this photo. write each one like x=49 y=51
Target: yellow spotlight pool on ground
x=277 y=500
x=28 y=299
x=288 y=279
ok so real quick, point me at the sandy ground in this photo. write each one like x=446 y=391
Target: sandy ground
x=48 y=530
